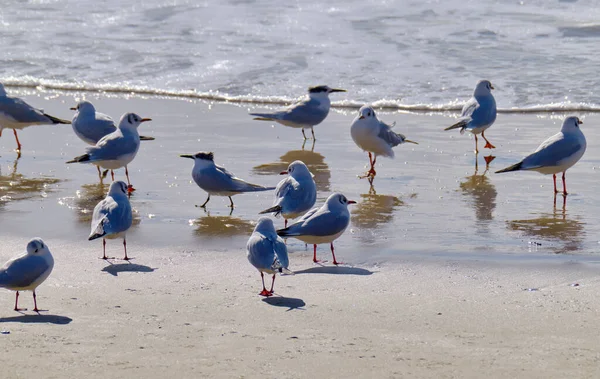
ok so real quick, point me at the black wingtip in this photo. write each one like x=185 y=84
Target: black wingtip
x=94 y=236
x=79 y=159
x=57 y=120
x=515 y=167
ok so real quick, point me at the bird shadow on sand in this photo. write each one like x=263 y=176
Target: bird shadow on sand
x=115 y=268
x=38 y=319
x=335 y=270
x=288 y=302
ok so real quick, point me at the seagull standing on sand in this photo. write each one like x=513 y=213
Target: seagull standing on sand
x=267 y=252
x=216 y=180
x=295 y=194
x=17 y=114
x=305 y=114
x=556 y=154
x=322 y=225
x=116 y=149
x=112 y=217
x=374 y=136
x=27 y=271
x=479 y=113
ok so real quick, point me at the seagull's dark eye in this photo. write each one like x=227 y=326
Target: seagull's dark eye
x=36 y=250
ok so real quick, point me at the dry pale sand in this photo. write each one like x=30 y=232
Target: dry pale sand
x=197 y=314
x=442 y=259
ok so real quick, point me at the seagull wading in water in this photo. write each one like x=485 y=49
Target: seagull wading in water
x=295 y=194
x=306 y=113
x=479 y=113
x=267 y=252
x=112 y=217
x=556 y=154
x=375 y=136
x=116 y=149
x=91 y=126
x=216 y=180
x=322 y=225
x=17 y=114
x=27 y=271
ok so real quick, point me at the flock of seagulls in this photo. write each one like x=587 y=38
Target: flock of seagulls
x=115 y=146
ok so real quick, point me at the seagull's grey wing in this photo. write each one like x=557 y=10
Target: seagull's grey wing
x=110 y=217
x=22 y=112
x=320 y=223
x=23 y=271
x=552 y=152
x=306 y=112
x=389 y=136
x=469 y=108
x=260 y=251
x=280 y=249
x=112 y=146
x=233 y=183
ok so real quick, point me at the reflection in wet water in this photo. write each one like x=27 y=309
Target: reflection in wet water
x=15 y=186
x=483 y=194
x=315 y=162
x=373 y=210
x=555 y=226
x=221 y=226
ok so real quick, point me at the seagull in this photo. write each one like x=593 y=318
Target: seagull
x=112 y=217
x=479 y=113
x=322 y=225
x=116 y=149
x=27 y=271
x=216 y=180
x=305 y=114
x=295 y=194
x=556 y=154
x=374 y=136
x=267 y=252
x=17 y=114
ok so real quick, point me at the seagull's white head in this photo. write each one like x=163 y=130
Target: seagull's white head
x=337 y=200
x=265 y=226
x=131 y=121
x=37 y=247
x=297 y=170
x=571 y=124
x=84 y=107
x=366 y=112
x=2 y=90
x=117 y=188
x=483 y=88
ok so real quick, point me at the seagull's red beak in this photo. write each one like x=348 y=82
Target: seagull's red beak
x=351 y=202
x=145 y=119
x=283 y=173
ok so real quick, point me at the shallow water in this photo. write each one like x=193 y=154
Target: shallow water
x=431 y=200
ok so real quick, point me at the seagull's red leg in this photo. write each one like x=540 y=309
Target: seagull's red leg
x=315 y=254
x=564 y=184
x=130 y=188
x=112 y=175
x=125 y=248
x=104 y=249
x=333 y=253
x=17 y=303
x=272 y=285
x=35 y=308
x=554 y=177
x=488 y=145
x=285 y=223
x=264 y=291
x=17 y=138
x=476 y=150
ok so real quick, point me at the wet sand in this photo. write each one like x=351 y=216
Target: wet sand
x=433 y=235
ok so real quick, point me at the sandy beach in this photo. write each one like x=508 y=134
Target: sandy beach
x=451 y=271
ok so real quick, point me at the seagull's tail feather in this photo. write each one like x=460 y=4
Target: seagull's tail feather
x=263 y=116
x=80 y=159
x=146 y=138
x=515 y=167
x=461 y=124
x=276 y=209
x=57 y=120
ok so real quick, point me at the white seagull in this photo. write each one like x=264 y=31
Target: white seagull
x=27 y=271
x=295 y=194
x=17 y=114
x=216 y=180
x=305 y=114
x=322 y=225
x=112 y=217
x=116 y=149
x=556 y=154
x=479 y=113
x=267 y=252
x=375 y=136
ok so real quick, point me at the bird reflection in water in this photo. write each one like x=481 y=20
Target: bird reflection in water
x=221 y=226
x=15 y=186
x=483 y=194
x=555 y=226
x=315 y=162
x=373 y=210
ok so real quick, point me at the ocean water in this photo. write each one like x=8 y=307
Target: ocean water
x=540 y=55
